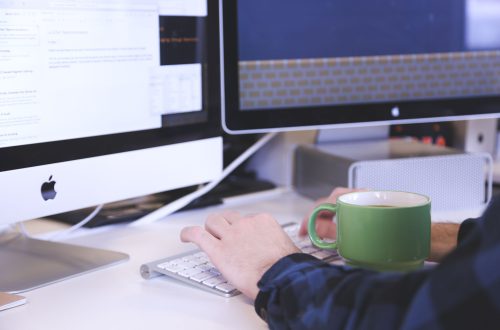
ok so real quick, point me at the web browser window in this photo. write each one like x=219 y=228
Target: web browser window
x=79 y=68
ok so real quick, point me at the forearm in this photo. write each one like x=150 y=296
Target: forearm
x=302 y=292
x=443 y=240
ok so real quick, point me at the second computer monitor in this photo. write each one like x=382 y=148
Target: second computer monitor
x=294 y=65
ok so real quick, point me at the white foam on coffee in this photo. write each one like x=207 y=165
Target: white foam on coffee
x=385 y=198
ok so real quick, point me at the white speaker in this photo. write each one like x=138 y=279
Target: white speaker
x=452 y=179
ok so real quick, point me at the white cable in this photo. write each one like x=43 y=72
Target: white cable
x=185 y=200
x=61 y=234
x=58 y=235
x=22 y=228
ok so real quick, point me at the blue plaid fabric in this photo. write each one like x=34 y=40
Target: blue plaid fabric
x=462 y=292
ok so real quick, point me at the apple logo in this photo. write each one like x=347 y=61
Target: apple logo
x=48 y=189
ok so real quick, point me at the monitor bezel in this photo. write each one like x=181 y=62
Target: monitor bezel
x=31 y=155
x=238 y=121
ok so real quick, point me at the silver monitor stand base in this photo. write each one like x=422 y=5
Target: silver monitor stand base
x=28 y=263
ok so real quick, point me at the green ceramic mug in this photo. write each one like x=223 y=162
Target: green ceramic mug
x=381 y=230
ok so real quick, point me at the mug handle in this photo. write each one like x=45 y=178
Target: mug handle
x=312 y=227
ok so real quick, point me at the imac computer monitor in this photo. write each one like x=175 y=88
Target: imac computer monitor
x=102 y=101
x=297 y=64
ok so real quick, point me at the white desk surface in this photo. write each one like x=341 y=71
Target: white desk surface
x=118 y=298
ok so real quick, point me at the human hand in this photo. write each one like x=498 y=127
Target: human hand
x=242 y=248
x=325 y=227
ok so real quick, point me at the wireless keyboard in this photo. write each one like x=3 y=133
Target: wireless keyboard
x=195 y=268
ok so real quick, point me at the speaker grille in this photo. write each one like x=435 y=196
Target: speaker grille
x=452 y=181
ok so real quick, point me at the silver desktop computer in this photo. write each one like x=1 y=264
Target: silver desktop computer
x=100 y=101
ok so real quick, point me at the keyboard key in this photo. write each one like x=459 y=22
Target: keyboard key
x=322 y=254
x=200 y=277
x=304 y=243
x=188 y=264
x=215 y=271
x=189 y=272
x=310 y=249
x=212 y=282
x=204 y=267
x=171 y=267
x=177 y=261
x=225 y=287
x=203 y=259
x=189 y=258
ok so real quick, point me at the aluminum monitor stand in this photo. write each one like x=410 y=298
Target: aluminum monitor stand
x=28 y=263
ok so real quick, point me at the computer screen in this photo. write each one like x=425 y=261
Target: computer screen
x=105 y=100
x=294 y=64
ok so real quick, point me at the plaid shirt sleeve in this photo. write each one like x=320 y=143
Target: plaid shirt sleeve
x=463 y=292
